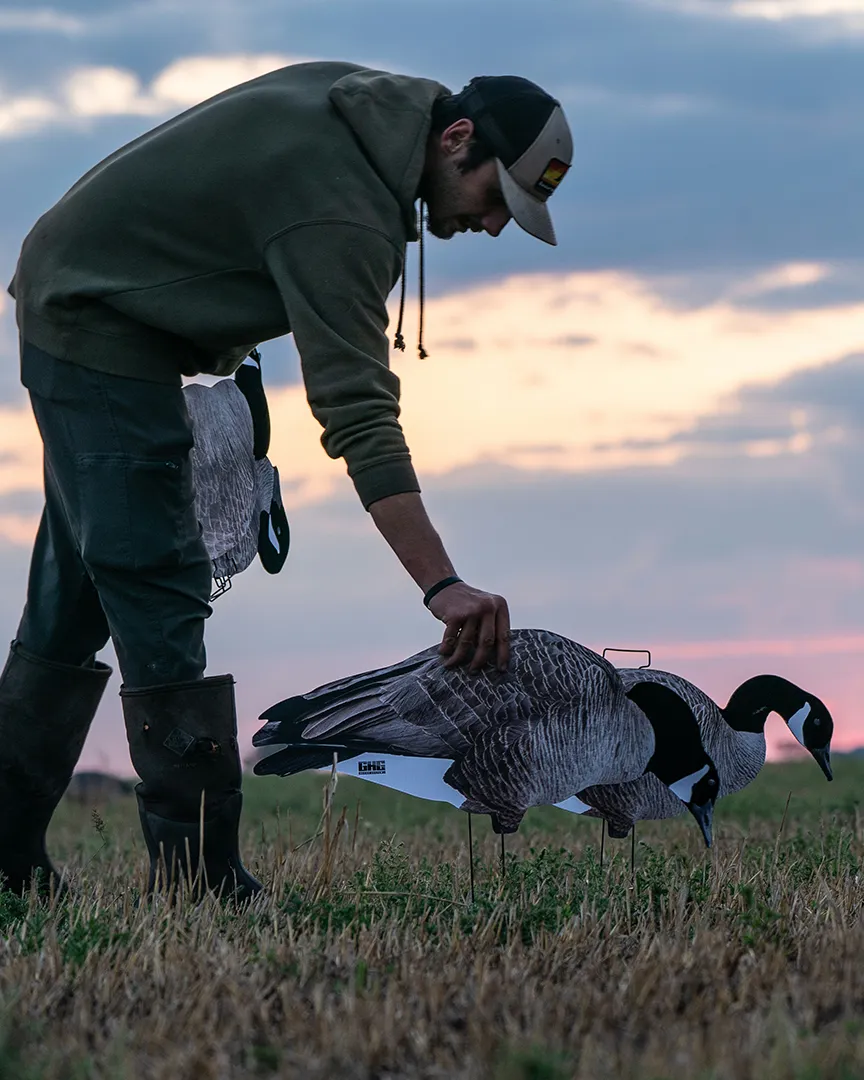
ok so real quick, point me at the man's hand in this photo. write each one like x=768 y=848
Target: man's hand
x=478 y=627
x=478 y=623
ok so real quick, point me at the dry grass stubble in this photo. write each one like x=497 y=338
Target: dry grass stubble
x=366 y=959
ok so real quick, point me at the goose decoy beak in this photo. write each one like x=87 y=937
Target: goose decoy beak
x=823 y=760
x=704 y=814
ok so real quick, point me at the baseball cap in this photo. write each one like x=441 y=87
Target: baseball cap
x=527 y=131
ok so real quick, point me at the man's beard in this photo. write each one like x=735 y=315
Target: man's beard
x=441 y=192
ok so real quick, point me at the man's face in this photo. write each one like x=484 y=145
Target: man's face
x=459 y=201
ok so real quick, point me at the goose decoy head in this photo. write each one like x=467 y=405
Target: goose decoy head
x=680 y=760
x=812 y=726
x=806 y=716
x=698 y=792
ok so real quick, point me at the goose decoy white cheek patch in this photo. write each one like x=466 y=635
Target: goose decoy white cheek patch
x=796 y=722
x=575 y=805
x=683 y=788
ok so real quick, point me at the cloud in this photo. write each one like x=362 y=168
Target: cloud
x=23 y=501
x=26 y=113
x=195 y=78
x=796 y=9
x=723 y=567
x=40 y=21
x=791 y=276
x=574 y=341
x=597 y=97
x=751 y=566
x=89 y=93
x=773 y=10
x=629 y=398
x=839 y=15
x=459 y=344
x=11 y=391
x=713 y=144
x=790 y=646
x=20 y=451
x=711 y=249
x=819 y=410
x=781 y=287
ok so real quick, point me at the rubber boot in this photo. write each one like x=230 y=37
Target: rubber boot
x=46 y=709
x=183 y=742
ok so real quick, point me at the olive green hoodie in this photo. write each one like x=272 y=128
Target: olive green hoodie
x=282 y=205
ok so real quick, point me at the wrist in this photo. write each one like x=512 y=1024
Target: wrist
x=440 y=586
x=427 y=579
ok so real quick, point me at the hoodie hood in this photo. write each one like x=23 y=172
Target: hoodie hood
x=391 y=116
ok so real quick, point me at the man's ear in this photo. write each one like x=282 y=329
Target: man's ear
x=457 y=136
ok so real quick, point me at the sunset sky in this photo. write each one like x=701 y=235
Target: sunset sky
x=650 y=436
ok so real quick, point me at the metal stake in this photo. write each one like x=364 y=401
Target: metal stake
x=502 y=855
x=471 y=857
x=602 y=840
x=633 y=852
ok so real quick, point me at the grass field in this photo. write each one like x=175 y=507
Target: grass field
x=368 y=960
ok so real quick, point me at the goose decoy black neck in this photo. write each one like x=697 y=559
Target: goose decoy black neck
x=250 y=384
x=680 y=760
x=806 y=716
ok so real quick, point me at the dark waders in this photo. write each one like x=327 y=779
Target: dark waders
x=119 y=554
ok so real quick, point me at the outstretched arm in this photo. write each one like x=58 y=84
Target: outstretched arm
x=477 y=622
x=334 y=279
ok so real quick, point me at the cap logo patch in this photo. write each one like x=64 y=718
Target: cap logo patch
x=552 y=176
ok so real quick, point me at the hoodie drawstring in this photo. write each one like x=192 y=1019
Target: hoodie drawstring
x=399 y=339
x=421 y=351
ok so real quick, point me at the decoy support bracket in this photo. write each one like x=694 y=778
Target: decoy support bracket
x=645 y=652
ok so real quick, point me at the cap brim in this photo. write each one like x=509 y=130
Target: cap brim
x=529 y=213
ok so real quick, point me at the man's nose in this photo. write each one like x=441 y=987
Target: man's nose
x=495 y=220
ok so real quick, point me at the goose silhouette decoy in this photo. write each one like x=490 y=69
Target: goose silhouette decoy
x=734 y=738
x=504 y=741
x=237 y=493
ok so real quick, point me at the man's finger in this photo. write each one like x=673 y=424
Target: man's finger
x=502 y=624
x=485 y=642
x=465 y=646
x=451 y=637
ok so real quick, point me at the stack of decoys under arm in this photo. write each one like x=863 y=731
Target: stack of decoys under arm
x=561 y=727
x=237 y=493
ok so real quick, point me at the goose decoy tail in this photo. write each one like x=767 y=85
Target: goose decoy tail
x=296 y=759
x=280 y=718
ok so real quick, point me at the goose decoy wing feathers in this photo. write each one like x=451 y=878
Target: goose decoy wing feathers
x=223 y=463
x=420 y=703
x=643 y=799
x=541 y=757
x=545 y=672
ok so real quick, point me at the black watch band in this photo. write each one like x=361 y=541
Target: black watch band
x=438 y=586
